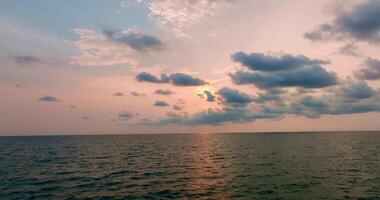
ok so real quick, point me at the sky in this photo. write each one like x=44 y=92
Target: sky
x=188 y=66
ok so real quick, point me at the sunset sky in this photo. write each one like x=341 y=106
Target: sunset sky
x=184 y=66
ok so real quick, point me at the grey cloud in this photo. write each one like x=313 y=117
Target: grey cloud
x=135 y=40
x=161 y=104
x=306 y=77
x=349 y=49
x=362 y=23
x=118 y=94
x=177 y=79
x=182 y=79
x=234 y=97
x=359 y=90
x=209 y=96
x=48 y=98
x=26 y=60
x=371 y=70
x=262 y=62
x=126 y=115
x=164 y=92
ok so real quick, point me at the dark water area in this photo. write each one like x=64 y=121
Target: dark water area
x=341 y=165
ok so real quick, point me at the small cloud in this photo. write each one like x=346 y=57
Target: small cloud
x=165 y=92
x=234 y=97
x=209 y=96
x=161 y=104
x=177 y=79
x=137 y=94
x=126 y=115
x=134 y=39
x=20 y=86
x=371 y=70
x=349 y=49
x=85 y=118
x=118 y=94
x=177 y=107
x=49 y=99
x=26 y=60
x=72 y=106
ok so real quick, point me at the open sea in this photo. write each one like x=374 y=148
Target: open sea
x=329 y=165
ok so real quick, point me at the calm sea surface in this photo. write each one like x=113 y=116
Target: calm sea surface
x=193 y=166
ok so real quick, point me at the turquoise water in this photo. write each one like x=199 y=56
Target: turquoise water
x=197 y=166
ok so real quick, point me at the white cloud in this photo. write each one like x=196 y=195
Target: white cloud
x=96 y=49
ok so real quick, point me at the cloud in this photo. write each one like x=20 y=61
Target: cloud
x=26 y=60
x=134 y=39
x=359 y=90
x=349 y=49
x=306 y=77
x=137 y=94
x=371 y=70
x=126 y=115
x=361 y=23
x=147 y=77
x=118 y=94
x=182 y=79
x=283 y=71
x=48 y=98
x=161 y=103
x=180 y=16
x=177 y=79
x=165 y=92
x=234 y=97
x=177 y=107
x=262 y=62
x=209 y=96
x=270 y=95
x=95 y=49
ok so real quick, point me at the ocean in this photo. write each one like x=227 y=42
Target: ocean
x=328 y=165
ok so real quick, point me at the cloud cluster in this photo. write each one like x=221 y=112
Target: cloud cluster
x=267 y=71
x=177 y=79
x=361 y=23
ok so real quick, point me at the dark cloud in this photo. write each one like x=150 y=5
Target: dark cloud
x=359 y=90
x=270 y=95
x=164 y=92
x=371 y=70
x=262 y=62
x=178 y=79
x=147 y=77
x=137 y=94
x=49 y=99
x=161 y=104
x=85 y=118
x=306 y=77
x=118 y=94
x=362 y=23
x=135 y=40
x=209 y=96
x=26 y=60
x=234 y=97
x=182 y=79
x=72 y=106
x=126 y=115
